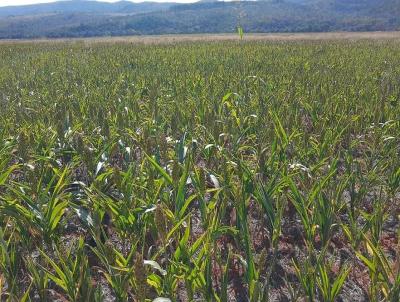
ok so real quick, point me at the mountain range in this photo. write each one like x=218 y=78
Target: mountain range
x=86 y=18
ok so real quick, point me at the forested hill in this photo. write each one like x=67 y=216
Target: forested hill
x=80 y=18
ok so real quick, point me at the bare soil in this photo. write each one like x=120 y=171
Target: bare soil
x=167 y=39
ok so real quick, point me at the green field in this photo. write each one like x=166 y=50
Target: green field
x=200 y=171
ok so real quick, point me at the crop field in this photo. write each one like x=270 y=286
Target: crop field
x=200 y=171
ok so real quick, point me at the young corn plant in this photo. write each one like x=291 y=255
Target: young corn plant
x=10 y=262
x=72 y=273
x=330 y=289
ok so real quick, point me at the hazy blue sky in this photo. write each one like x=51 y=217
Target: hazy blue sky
x=21 y=2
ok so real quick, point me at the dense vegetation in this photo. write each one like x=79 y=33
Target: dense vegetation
x=200 y=171
x=83 y=6
x=88 y=18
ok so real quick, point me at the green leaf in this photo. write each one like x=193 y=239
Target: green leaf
x=160 y=170
x=57 y=213
x=240 y=32
x=338 y=283
x=6 y=174
x=181 y=190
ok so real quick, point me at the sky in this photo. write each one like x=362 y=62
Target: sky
x=22 y=2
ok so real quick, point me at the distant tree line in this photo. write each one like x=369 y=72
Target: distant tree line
x=214 y=17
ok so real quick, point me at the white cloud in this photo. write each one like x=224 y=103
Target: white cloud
x=22 y=2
